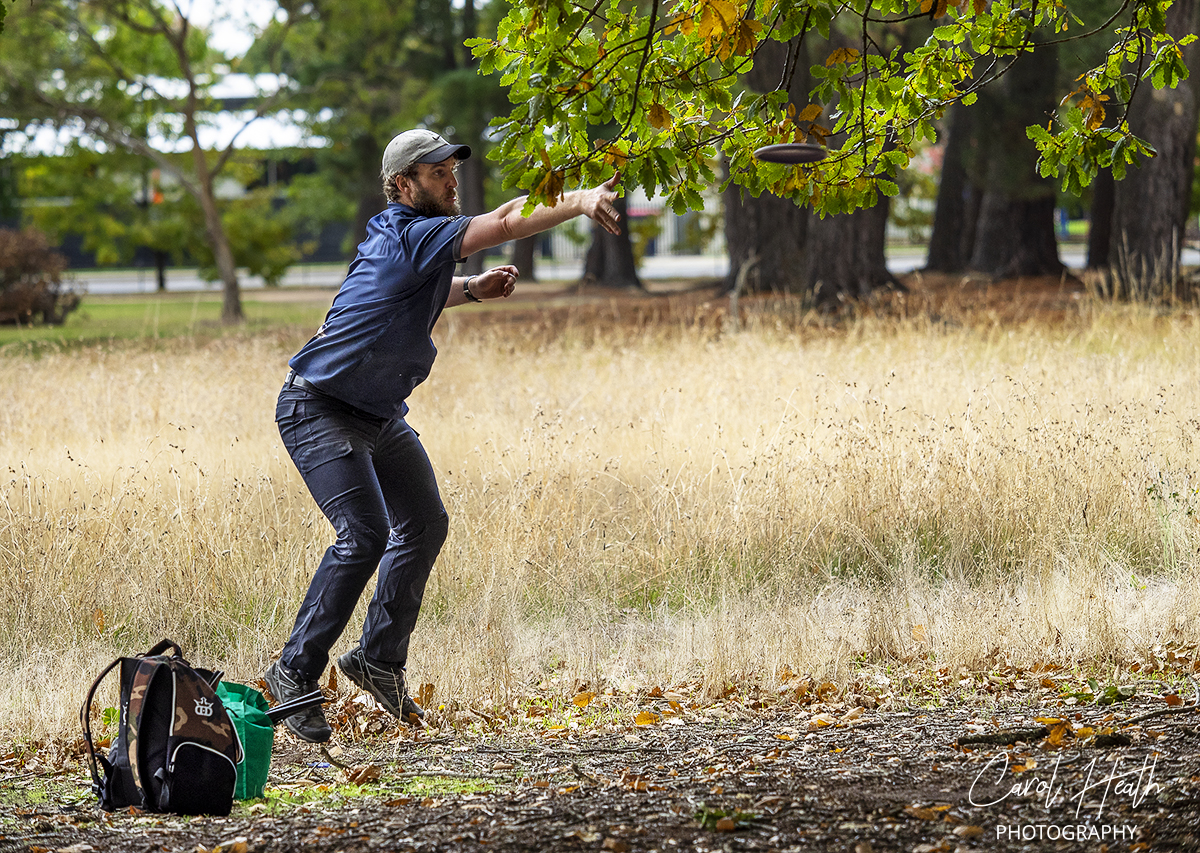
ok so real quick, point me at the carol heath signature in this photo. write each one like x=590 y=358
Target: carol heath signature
x=997 y=783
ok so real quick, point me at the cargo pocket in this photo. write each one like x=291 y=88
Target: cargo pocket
x=316 y=455
x=197 y=780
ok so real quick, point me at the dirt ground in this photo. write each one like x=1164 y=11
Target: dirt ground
x=797 y=766
x=749 y=772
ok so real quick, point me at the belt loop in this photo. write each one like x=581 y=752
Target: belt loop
x=289 y=379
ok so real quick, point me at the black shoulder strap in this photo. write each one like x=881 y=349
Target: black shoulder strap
x=301 y=703
x=85 y=716
x=162 y=646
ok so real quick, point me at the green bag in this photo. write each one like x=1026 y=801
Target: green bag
x=248 y=710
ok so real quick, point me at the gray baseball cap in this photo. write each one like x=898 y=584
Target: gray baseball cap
x=419 y=146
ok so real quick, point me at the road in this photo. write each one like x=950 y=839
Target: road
x=900 y=260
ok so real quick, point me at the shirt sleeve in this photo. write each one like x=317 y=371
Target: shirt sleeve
x=433 y=242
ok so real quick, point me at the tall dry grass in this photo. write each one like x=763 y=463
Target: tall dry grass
x=634 y=503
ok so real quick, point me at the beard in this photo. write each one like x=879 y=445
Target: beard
x=429 y=204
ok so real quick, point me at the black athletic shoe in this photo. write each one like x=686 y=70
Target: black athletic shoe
x=384 y=682
x=287 y=685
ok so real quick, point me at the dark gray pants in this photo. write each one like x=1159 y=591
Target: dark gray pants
x=372 y=479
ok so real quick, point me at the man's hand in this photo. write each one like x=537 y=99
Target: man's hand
x=494 y=283
x=599 y=205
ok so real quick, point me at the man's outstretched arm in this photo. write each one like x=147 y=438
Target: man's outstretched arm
x=506 y=222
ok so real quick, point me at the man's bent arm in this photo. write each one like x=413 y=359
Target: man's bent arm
x=506 y=222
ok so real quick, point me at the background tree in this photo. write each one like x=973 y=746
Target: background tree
x=1150 y=205
x=952 y=237
x=367 y=69
x=664 y=78
x=767 y=231
x=1014 y=232
x=132 y=74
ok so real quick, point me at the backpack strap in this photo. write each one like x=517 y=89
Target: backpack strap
x=143 y=676
x=85 y=716
x=301 y=703
x=161 y=646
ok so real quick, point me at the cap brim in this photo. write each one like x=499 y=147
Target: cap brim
x=437 y=155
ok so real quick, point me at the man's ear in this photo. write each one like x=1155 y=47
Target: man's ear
x=404 y=187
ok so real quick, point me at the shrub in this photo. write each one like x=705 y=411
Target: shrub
x=31 y=282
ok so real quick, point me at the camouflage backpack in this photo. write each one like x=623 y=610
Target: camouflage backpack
x=175 y=749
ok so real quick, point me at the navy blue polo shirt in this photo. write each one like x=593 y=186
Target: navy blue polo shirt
x=375 y=347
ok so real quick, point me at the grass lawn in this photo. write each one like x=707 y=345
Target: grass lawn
x=174 y=315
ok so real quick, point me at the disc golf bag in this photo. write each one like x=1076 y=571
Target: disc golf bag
x=248 y=710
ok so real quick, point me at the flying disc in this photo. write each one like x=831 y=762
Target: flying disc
x=791 y=153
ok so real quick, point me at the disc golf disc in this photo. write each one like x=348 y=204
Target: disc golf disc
x=791 y=153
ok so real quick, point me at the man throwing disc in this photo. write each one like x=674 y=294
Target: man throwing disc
x=342 y=407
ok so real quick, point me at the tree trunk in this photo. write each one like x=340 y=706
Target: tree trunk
x=470 y=196
x=1099 y=244
x=767 y=227
x=846 y=257
x=1151 y=203
x=1015 y=230
x=231 y=304
x=368 y=156
x=950 y=240
x=523 y=252
x=160 y=268
x=609 y=261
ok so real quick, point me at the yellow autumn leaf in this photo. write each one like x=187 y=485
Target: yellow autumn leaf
x=809 y=113
x=658 y=116
x=583 y=699
x=647 y=718
x=820 y=721
x=1055 y=738
x=842 y=54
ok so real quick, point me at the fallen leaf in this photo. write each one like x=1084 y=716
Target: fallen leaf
x=918 y=633
x=1172 y=699
x=582 y=700
x=647 y=718
x=360 y=775
x=926 y=812
x=968 y=831
x=820 y=721
x=726 y=824
x=614 y=844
